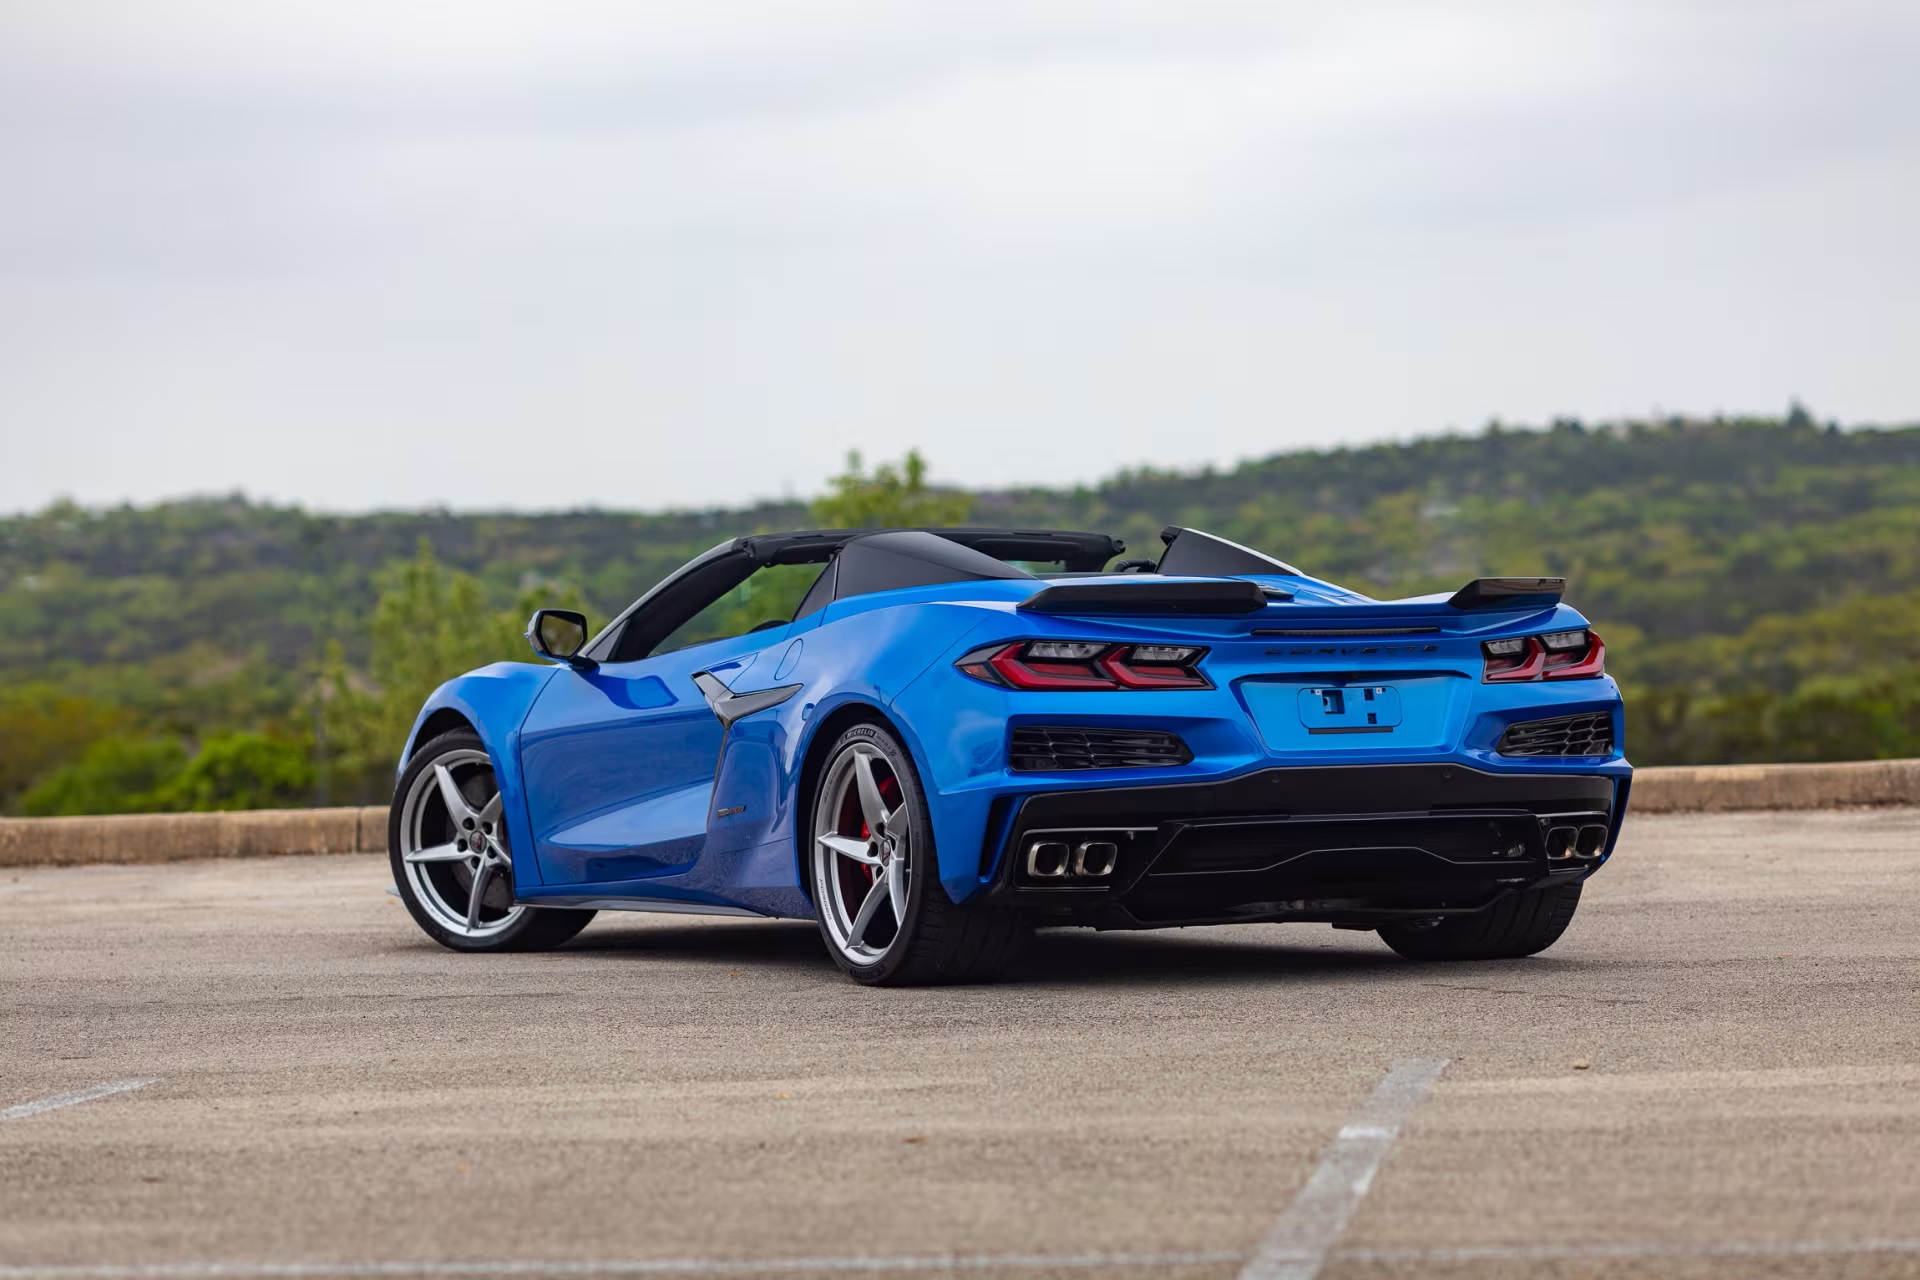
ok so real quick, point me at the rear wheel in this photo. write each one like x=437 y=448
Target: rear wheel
x=451 y=863
x=876 y=886
x=1520 y=924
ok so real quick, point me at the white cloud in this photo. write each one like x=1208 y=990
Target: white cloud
x=494 y=254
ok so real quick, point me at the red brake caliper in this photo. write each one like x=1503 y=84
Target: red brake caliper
x=889 y=788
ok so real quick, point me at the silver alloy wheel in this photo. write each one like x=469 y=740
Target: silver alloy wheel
x=862 y=865
x=454 y=846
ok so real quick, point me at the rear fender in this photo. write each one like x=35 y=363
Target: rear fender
x=861 y=657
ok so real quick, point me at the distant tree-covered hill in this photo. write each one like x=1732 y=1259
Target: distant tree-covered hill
x=1758 y=581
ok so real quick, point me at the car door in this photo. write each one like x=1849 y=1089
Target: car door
x=619 y=759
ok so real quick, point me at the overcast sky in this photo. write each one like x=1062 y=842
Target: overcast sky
x=369 y=254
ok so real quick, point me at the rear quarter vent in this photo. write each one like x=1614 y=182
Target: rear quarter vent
x=1589 y=734
x=1061 y=748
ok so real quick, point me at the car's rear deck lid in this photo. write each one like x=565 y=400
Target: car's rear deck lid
x=1145 y=596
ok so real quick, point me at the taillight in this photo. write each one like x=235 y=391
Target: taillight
x=1557 y=655
x=1517 y=659
x=1576 y=655
x=1049 y=666
x=1061 y=665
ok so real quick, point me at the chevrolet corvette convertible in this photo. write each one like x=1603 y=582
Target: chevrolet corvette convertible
x=932 y=741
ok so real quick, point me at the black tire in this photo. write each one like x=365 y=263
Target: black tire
x=1520 y=924
x=938 y=942
x=533 y=928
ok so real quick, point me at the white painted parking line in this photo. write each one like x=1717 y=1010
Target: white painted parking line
x=40 y=1106
x=1297 y=1246
x=630 y=1267
x=1632 y=1250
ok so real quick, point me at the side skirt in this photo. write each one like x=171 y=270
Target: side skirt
x=663 y=906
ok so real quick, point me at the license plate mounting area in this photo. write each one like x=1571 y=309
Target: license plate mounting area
x=1342 y=709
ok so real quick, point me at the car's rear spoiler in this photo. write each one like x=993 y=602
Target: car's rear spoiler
x=1509 y=593
x=1145 y=595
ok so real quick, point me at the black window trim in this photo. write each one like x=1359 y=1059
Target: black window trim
x=1078 y=551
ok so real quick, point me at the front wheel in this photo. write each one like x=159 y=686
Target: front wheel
x=1517 y=925
x=882 y=911
x=448 y=846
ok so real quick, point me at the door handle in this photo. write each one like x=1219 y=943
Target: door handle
x=730 y=706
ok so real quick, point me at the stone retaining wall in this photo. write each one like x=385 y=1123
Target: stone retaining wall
x=175 y=837
x=265 y=833
x=1727 y=787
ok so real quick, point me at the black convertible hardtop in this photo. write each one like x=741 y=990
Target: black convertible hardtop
x=1076 y=552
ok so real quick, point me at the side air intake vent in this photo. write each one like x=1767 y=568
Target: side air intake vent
x=1046 y=748
x=1587 y=735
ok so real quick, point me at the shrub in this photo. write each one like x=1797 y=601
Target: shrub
x=114 y=775
x=242 y=771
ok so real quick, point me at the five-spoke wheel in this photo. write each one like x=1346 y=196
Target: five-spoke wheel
x=885 y=915
x=863 y=862
x=454 y=846
x=451 y=860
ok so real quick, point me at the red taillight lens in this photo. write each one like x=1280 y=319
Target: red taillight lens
x=1558 y=655
x=1154 y=666
x=1518 y=659
x=1020 y=669
x=1060 y=665
x=1586 y=658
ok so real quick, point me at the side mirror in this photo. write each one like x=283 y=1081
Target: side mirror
x=559 y=634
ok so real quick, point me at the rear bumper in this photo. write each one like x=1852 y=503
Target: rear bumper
x=1353 y=844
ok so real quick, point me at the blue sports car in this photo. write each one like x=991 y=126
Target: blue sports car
x=931 y=741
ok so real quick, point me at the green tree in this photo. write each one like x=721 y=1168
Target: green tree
x=893 y=497
x=242 y=771
x=430 y=623
x=44 y=727
x=114 y=775
x=1757 y=580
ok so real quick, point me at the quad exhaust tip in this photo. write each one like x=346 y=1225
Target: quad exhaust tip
x=1060 y=859
x=1587 y=841
x=1095 y=858
x=1049 y=859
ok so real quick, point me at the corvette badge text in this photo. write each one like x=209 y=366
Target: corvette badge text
x=1349 y=650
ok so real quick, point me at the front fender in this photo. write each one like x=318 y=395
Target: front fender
x=494 y=700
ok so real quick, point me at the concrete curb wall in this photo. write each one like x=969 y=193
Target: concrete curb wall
x=175 y=837
x=265 y=833
x=1728 y=787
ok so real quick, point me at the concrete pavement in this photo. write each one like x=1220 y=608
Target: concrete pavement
x=335 y=1095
